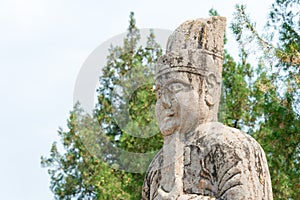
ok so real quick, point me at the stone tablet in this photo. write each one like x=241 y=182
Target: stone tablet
x=200 y=158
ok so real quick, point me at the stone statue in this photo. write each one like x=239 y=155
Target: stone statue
x=200 y=158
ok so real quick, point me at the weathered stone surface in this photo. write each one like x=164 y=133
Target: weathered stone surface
x=201 y=158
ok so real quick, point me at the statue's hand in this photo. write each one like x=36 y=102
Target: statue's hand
x=195 y=197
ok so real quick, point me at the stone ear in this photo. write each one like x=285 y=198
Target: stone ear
x=211 y=81
x=211 y=84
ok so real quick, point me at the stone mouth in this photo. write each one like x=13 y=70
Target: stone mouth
x=169 y=114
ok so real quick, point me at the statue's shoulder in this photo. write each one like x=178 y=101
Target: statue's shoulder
x=215 y=133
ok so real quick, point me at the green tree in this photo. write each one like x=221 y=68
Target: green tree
x=83 y=170
x=75 y=172
x=236 y=105
x=276 y=91
x=237 y=92
x=127 y=85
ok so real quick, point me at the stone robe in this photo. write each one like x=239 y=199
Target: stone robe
x=220 y=162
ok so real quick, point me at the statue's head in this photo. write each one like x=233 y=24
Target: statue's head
x=188 y=77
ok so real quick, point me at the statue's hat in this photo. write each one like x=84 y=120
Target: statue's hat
x=196 y=46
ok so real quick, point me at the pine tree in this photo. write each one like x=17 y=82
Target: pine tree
x=276 y=91
x=90 y=167
x=76 y=173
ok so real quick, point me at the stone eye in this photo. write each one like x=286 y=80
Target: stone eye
x=176 y=87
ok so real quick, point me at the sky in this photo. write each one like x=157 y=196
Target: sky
x=43 y=45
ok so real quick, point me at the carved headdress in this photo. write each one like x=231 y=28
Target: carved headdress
x=196 y=47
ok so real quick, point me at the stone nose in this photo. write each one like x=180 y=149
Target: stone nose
x=166 y=99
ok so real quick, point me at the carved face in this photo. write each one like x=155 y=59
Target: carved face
x=180 y=103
